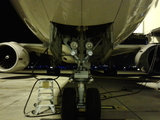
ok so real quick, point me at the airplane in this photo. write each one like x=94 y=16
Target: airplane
x=82 y=32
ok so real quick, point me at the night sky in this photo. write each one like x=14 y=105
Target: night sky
x=12 y=27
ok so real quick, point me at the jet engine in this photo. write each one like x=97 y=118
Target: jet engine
x=13 y=57
x=148 y=59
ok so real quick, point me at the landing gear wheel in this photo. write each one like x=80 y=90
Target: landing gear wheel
x=69 y=110
x=93 y=104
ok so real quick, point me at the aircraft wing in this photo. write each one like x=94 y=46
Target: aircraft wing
x=123 y=49
x=30 y=47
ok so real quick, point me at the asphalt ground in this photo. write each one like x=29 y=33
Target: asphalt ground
x=131 y=95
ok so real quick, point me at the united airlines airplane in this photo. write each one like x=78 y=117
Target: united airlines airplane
x=81 y=32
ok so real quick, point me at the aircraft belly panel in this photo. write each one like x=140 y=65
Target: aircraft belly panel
x=82 y=12
x=64 y=11
x=96 y=12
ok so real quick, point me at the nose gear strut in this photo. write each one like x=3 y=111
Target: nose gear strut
x=81 y=50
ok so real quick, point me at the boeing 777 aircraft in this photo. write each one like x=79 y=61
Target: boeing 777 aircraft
x=81 y=32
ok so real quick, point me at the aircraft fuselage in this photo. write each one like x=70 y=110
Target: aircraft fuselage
x=124 y=14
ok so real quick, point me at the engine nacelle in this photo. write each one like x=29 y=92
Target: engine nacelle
x=148 y=59
x=13 y=57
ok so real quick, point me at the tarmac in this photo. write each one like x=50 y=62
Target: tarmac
x=131 y=95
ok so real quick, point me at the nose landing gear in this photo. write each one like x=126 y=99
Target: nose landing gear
x=89 y=99
x=81 y=50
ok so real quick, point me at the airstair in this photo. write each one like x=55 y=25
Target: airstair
x=45 y=96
